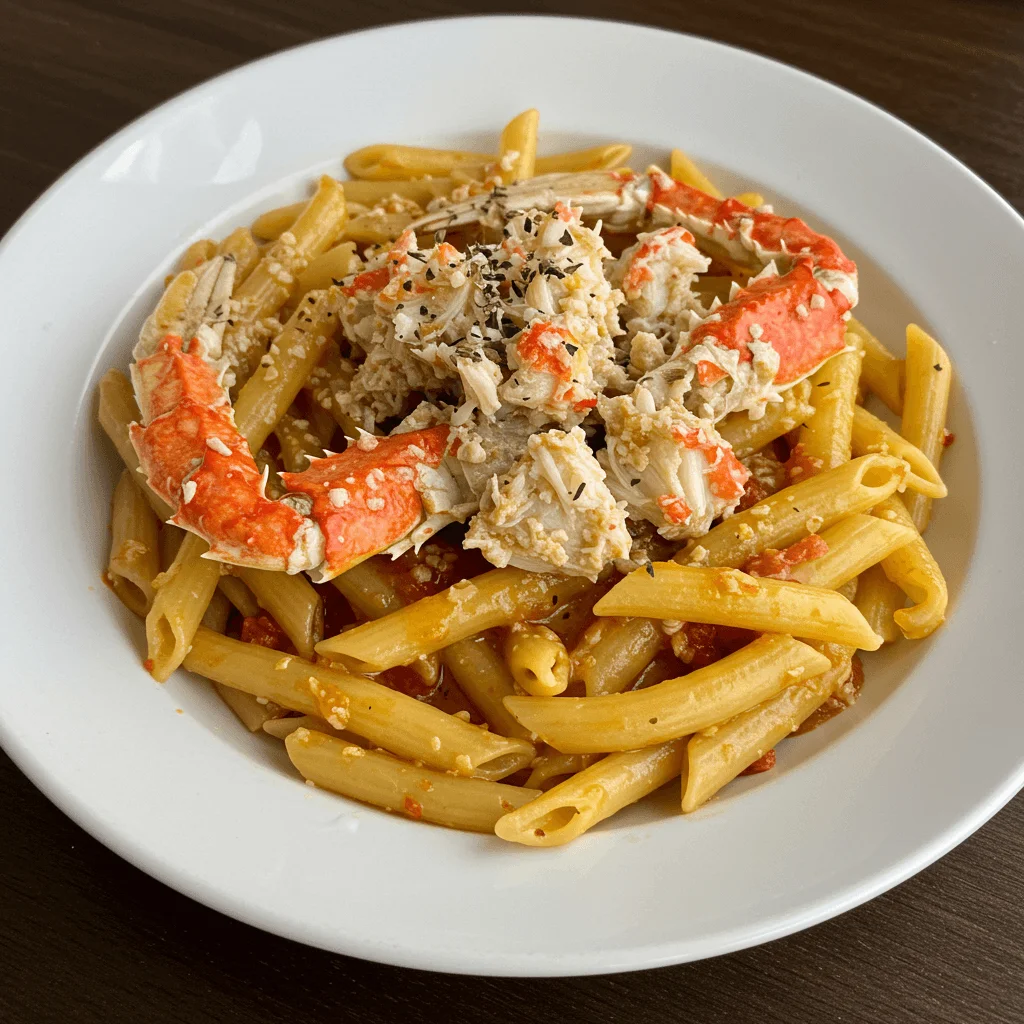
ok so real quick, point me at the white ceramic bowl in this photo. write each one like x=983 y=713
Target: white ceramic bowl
x=932 y=749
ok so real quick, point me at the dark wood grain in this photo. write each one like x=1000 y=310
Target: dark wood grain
x=85 y=937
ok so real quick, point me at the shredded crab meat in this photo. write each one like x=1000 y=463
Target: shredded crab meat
x=552 y=510
x=668 y=466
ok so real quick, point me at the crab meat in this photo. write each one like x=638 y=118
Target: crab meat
x=669 y=467
x=551 y=511
x=769 y=335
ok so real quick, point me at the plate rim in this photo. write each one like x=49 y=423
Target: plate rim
x=636 y=956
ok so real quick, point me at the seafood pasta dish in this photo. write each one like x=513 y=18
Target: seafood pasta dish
x=505 y=489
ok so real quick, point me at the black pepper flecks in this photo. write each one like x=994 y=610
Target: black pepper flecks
x=579 y=491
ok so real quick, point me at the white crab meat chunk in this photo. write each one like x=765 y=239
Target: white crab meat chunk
x=671 y=468
x=657 y=276
x=552 y=511
x=488 y=446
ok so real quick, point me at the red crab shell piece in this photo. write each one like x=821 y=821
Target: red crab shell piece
x=365 y=498
x=795 y=313
x=196 y=460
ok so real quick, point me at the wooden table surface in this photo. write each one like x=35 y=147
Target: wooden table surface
x=84 y=936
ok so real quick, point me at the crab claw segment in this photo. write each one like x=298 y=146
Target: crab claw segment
x=796 y=314
x=368 y=497
x=195 y=459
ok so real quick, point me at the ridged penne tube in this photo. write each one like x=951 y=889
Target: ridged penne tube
x=877 y=599
x=674 y=708
x=331 y=377
x=517 y=150
x=597 y=158
x=473 y=805
x=297 y=443
x=384 y=161
x=484 y=678
x=570 y=808
x=217 y=613
x=239 y=595
x=683 y=169
x=182 y=594
x=729 y=597
x=117 y=409
x=242 y=248
x=881 y=372
x=929 y=374
x=788 y=515
x=826 y=436
x=870 y=434
x=170 y=541
x=421 y=190
x=377 y=226
x=197 y=254
x=496 y=598
x=249 y=710
x=328 y=268
x=748 y=436
x=271 y=224
x=553 y=765
x=279 y=728
x=266 y=395
x=270 y=284
x=407 y=727
x=537 y=659
x=613 y=652
x=370 y=588
x=913 y=569
x=751 y=199
x=293 y=602
x=854 y=544
x=718 y=754
x=134 y=546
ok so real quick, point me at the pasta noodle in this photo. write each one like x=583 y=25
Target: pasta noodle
x=497 y=598
x=403 y=725
x=537 y=659
x=728 y=597
x=870 y=434
x=570 y=808
x=877 y=600
x=518 y=147
x=380 y=779
x=826 y=436
x=134 y=546
x=748 y=436
x=674 y=708
x=613 y=652
x=926 y=396
x=881 y=371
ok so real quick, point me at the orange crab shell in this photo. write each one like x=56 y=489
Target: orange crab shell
x=365 y=498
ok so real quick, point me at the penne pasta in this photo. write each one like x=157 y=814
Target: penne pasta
x=751 y=199
x=716 y=755
x=806 y=507
x=239 y=595
x=553 y=764
x=826 y=436
x=280 y=728
x=328 y=268
x=929 y=374
x=252 y=712
x=913 y=569
x=242 y=248
x=674 y=708
x=497 y=598
x=369 y=587
x=386 y=161
x=485 y=679
x=517 y=151
x=273 y=223
x=683 y=169
x=728 y=597
x=268 y=287
x=537 y=659
x=854 y=544
x=870 y=434
x=197 y=254
x=134 y=546
x=881 y=372
x=217 y=612
x=373 y=777
x=297 y=443
x=183 y=593
x=877 y=599
x=403 y=725
x=748 y=436
x=599 y=791
x=613 y=652
x=597 y=158
x=294 y=604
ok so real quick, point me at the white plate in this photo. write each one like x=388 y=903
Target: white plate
x=930 y=752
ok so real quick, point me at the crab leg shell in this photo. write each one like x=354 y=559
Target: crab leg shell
x=365 y=499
